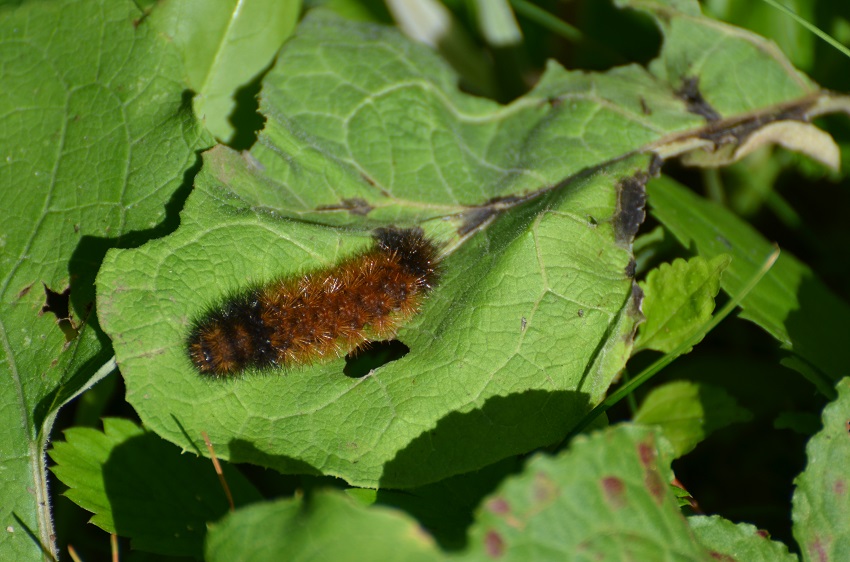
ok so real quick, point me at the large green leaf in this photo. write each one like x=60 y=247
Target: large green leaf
x=536 y=310
x=606 y=498
x=822 y=498
x=95 y=140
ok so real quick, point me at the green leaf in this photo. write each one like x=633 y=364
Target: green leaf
x=688 y=412
x=606 y=498
x=678 y=300
x=790 y=303
x=94 y=141
x=561 y=257
x=822 y=498
x=737 y=70
x=141 y=487
x=535 y=312
x=728 y=541
x=324 y=526
x=227 y=47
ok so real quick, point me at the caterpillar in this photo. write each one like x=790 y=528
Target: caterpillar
x=319 y=315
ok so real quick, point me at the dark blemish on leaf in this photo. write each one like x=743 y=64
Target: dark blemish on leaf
x=840 y=487
x=370 y=355
x=499 y=506
x=655 y=166
x=817 y=547
x=635 y=312
x=653 y=483
x=637 y=298
x=523 y=323
x=631 y=201
x=694 y=102
x=475 y=217
x=76 y=228
x=724 y=241
x=592 y=221
x=647 y=453
x=644 y=107
x=614 y=491
x=651 y=479
x=763 y=534
x=720 y=556
x=581 y=313
x=355 y=206
x=494 y=545
x=544 y=489
x=555 y=102
x=368 y=179
x=732 y=131
x=25 y=291
x=630 y=269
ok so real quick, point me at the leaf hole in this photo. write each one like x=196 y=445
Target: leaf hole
x=371 y=355
x=59 y=305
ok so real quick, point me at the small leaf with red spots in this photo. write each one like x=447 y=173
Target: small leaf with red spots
x=821 y=509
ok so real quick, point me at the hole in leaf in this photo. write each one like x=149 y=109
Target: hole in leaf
x=59 y=305
x=371 y=355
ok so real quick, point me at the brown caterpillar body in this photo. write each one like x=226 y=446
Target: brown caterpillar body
x=325 y=313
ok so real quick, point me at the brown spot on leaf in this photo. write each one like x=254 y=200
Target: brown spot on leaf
x=631 y=269
x=23 y=292
x=355 y=206
x=544 y=489
x=475 y=217
x=615 y=491
x=720 y=556
x=840 y=487
x=631 y=200
x=494 y=545
x=653 y=483
x=647 y=453
x=694 y=102
x=818 y=550
x=499 y=506
x=651 y=479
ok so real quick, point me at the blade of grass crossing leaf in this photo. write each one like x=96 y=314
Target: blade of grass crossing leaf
x=647 y=373
x=814 y=29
